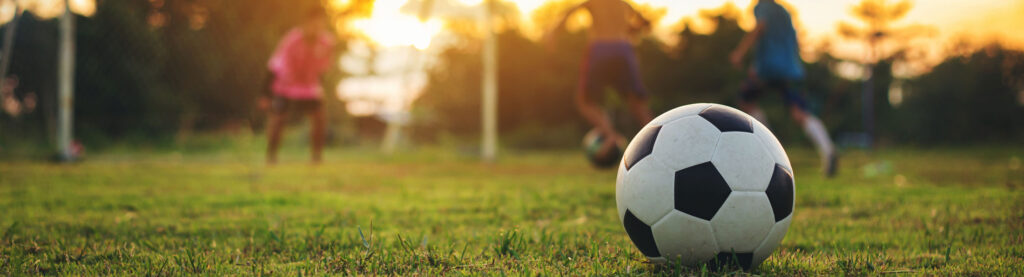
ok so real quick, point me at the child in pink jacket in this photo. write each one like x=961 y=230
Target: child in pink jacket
x=301 y=58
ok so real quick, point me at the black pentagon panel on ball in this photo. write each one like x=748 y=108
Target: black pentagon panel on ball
x=700 y=190
x=780 y=193
x=644 y=145
x=731 y=259
x=727 y=120
x=641 y=235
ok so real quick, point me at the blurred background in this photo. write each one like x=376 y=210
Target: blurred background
x=159 y=73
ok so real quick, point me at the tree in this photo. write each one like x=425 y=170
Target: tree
x=153 y=68
x=883 y=39
x=975 y=97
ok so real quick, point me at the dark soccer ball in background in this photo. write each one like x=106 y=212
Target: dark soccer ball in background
x=705 y=183
x=592 y=144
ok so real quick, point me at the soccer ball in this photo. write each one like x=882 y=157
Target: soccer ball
x=705 y=183
x=592 y=143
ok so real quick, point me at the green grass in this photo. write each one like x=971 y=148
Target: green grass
x=433 y=212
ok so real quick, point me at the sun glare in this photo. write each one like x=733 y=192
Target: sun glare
x=471 y=2
x=389 y=27
x=46 y=8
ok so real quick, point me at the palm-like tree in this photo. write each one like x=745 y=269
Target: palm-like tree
x=878 y=29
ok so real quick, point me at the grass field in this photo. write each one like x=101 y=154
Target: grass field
x=433 y=212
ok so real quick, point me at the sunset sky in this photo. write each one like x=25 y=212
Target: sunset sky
x=394 y=22
x=977 y=19
x=817 y=20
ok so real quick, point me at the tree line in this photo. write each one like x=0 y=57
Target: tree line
x=155 y=69
x=976 y=95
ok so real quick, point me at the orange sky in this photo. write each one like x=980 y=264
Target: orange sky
x=817 y=19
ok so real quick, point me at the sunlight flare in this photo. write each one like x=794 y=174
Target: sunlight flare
x=46 y=9
x=389 y=27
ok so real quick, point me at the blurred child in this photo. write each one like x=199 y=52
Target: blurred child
x=777 y=65
x=609 y=61
x=301 y=58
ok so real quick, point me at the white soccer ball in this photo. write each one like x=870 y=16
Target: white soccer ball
x=705 y=183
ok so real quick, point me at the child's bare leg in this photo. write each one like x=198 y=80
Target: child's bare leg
x=319 y=122
x=593 y=113
x=641 y=109
x=815 y=130
x=754 y=110
x=275 y=125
